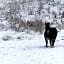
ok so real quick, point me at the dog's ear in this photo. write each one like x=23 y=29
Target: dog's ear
x=47 y=23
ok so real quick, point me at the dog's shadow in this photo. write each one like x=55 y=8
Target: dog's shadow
x=36 y=47
x=42 y=47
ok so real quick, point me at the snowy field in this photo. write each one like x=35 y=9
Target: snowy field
x=24 y=48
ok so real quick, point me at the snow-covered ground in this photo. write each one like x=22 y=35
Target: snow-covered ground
x=29 y=48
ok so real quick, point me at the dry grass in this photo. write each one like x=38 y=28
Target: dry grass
x=36 y=26
x=20 y=25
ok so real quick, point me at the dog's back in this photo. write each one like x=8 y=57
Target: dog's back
x=52 y=33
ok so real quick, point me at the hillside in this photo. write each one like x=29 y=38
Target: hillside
x=16 y=13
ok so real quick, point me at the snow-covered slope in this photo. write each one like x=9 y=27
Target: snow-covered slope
x=30 y=49
x=37 y=9
x=45 y=10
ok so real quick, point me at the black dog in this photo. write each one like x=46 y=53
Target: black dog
x=50 y=34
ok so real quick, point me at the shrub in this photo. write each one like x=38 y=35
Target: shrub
x=36 y=25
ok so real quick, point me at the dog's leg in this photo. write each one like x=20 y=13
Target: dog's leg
x=53 y=42
x=50 y=43
x=46 y=42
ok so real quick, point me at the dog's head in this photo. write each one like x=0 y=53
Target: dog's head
x=47 y=25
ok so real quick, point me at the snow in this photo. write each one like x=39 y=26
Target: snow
x=33 y=6
x=30 y=49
